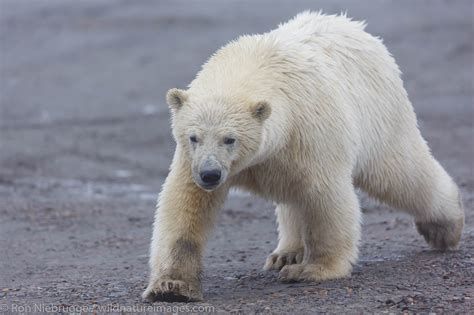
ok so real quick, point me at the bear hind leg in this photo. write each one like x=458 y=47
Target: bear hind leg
x=290 y=249
x=421 y=187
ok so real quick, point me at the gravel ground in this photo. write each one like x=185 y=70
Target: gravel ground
x=85 y=145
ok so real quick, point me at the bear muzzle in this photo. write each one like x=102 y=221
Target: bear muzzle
x=210 y=174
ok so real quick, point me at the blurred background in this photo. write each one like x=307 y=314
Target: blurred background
x=85 y=145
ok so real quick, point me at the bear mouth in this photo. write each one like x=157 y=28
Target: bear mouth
x=208 y=187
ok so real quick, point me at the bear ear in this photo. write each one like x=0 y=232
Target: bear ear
x=176 y=98
x=261 y=110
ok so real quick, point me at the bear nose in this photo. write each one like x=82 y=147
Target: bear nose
x=210 y=176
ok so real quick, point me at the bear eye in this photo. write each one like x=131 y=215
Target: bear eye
x=228 y=140
x=193 y=139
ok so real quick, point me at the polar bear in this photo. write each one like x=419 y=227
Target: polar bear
x=302 y=115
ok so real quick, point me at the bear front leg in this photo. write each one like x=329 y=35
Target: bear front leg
x=184 y=216
x=290 y=248
x=331 y=232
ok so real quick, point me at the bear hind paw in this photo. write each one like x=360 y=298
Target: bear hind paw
x=443 y=235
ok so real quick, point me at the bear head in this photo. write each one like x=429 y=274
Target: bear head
x=220 y=135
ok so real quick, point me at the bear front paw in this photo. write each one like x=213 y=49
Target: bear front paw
x=278 y=260
x=168 y=290
x=313 y=272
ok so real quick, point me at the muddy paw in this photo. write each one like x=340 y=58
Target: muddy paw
x=314 y=272
x=168 y=290
x=443 y=235
x=280 y=259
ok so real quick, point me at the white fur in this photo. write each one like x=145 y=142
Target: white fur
x=340 y=118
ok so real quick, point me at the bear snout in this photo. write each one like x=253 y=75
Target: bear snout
x=210 y=177
x=210 y=174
